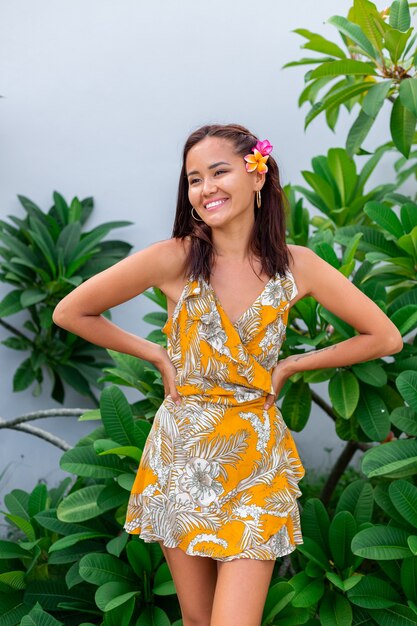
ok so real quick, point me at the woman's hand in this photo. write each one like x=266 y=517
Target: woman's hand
x=279 y=375
x=168 y=373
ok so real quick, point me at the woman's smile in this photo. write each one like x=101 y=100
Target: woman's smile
x=212 y=206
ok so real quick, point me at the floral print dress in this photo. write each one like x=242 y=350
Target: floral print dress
x=219 y=474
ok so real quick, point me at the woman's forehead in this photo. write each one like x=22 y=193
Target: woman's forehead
x=210 y=149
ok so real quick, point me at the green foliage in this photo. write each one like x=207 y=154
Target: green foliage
x=46 y=255
x=377 y=64
x=73 y=559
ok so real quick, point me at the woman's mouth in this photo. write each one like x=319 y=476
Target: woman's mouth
x=212 y=206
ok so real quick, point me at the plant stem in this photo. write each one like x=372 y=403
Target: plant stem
x=15 y=331
x=38 y=432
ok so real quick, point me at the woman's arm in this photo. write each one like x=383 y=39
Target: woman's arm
x=378 y=335
x=80 y=312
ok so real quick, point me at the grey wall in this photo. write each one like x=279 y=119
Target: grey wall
x=99 y=98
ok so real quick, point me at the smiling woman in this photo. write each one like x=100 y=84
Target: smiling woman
x=217 y=484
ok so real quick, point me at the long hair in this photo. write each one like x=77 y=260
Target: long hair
x=267 y=239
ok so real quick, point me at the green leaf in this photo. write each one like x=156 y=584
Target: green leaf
x=405 y=319
x=358 y=499
x=68 y=240
x=335 y=609
x=399 y=15
x=381 y=543
x=344 y=392
x=336 y=99
x=355 y=33
x=320 y=44
x=385 y=217
x=341 y=532
x=99 y=569
x=408 y=94
x=111 y=595
x=14 y=579
x=394 y=459
x=343 y=170
x=308 y=591
x=278 y=597
x=84 y=461
x=403 y=495
x=24 y=376
x=154 y=615
x=406 y=384
x=372 y=415
x=296 y=406
x=70 y=374
x=395 y=42
x=375 y=97
x=117 y=416
x=32 y=296
x=397 y=614
x=358 y=132
x=80 y=505
x=139 y=559
x=371 y=373
x=39 y=617
x=71 y=540
x=347 y=67
x=402 y=125
x=17 y=343
x=38 y=499
x=373 y=593
x=12 y=608
x=405 y=418
x=163 y=585
x=129 y=451
x=11 y=303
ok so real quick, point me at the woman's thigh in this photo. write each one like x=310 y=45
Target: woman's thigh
x=241 y=590
x=195 y=582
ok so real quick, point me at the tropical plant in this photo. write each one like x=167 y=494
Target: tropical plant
x=46 y=255
x=73 y=558
x=377 y=63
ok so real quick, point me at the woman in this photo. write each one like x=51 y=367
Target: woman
x=217 y=483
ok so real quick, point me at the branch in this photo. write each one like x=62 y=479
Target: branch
x=39 y=432
x=19 y=424
x=28 y=417
x=14 y=330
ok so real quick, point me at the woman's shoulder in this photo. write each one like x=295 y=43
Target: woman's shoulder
x=299 y=260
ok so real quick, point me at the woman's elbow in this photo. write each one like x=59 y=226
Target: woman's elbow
x=395 y=343
x=62 y=316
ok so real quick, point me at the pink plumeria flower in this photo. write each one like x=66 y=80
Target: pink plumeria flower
x=257 y=160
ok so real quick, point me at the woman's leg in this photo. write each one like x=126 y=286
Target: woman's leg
x=195 y=582
x=241 y=590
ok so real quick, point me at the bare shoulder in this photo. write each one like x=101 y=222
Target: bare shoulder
x=299 y=260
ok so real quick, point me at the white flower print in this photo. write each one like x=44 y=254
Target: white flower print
x=198 y=481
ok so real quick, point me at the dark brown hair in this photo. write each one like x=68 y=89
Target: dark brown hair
x=267 y=240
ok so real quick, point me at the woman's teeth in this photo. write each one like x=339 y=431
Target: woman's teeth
x=214 y=205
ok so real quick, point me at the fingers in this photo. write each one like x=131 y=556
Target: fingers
x=174 y=395
x=270 y=399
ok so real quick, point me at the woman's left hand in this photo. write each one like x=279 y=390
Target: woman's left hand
x=279 y=375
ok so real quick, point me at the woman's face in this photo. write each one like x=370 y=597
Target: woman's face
x=217 y=175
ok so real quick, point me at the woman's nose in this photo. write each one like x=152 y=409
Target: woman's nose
x=208 y=185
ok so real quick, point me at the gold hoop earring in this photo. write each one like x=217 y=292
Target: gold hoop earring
x=258 y=198
x=196 y=218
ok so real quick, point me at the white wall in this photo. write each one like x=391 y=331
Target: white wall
x=99 y=98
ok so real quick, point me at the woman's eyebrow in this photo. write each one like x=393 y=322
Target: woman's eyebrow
x=210 y=167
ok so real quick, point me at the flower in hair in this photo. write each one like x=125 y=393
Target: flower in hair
x=257 y=160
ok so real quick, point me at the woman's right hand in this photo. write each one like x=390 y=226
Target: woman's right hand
x=168 y=373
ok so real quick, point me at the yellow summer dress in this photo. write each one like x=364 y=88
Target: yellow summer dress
x=219 y=474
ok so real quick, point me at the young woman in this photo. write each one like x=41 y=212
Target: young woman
x=217 y=483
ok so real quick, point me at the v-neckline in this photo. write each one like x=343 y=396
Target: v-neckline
x=244 y=312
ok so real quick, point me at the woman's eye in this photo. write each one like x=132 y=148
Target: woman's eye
x=193 y=180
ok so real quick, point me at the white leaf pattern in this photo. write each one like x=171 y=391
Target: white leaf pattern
x=219 y=475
